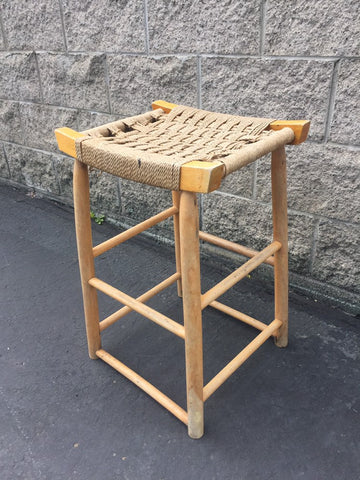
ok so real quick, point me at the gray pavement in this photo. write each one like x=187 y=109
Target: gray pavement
x=287 y=414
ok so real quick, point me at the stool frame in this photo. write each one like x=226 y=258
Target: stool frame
x=196 y=177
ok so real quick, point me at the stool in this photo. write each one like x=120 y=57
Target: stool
x=187 y=151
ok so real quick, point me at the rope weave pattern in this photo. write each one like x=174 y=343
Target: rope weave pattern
x=151 y=148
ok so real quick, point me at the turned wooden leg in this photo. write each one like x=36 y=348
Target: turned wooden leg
x=176 y=203
x=85 y=254
x=190 y=268
x=280 y=225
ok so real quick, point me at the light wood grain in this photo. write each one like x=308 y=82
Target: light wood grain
x=176 y=204
x=241 y=272
x=280 y=234
x=66 y=140
x=139 y=307
x=133 y=231
x=299 y=127
x=86 y=260
x=190 y=273
x=140 y=382
x=238 y=315
x=232 y=366
x=233 y=247
x=201 y=177
x=114 y=317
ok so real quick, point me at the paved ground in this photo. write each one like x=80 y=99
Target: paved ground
x=286 y=414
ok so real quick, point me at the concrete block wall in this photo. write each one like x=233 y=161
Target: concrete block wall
x=83 y=63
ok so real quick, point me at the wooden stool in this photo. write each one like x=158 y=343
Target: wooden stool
x=187 y=151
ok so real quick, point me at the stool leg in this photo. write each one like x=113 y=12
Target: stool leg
x=176 y=203
x=280 y=225
x=86 y=258
x=190 y=268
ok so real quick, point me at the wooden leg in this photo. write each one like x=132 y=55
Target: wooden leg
x=85 y=254
x=176 y=203
x=190 y=268
x=279 y=202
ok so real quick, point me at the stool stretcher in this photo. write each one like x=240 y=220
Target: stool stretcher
x=238 y=315
x=133 y=231
x=114 y=317
x=238 y=274
x=139 y=307
x=232 y=366
x=134 y=377
x=232 y=246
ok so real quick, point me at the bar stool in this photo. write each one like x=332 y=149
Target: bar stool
x=187 y=151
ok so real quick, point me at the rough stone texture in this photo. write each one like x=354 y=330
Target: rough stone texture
x=85 y=63
x=32 y=168
x=138 y=202
x=88 y=120
x=74 y=80
x=241 y=182
x=10 y=126
x=18 y=76
x=4 y=169
x=326 y=293
x=322 y=179
x=345 y=126
x=104 y=191
x=312 y=28
x=272 y=88
x=250 y=224
x=337 y=259
x=33 y=25
x=39 y=122
x=104 y=25
x=186 y=28
x=64 y=172
x=2 y=42
x=104 y=194
x=136 y=81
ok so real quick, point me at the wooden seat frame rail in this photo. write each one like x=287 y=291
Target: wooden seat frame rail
x=195 y=177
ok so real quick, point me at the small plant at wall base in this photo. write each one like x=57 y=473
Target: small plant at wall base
x=99 y=219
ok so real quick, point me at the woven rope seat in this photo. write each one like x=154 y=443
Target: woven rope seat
x=151 y=148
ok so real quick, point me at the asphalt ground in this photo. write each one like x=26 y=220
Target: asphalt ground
x=287 y=414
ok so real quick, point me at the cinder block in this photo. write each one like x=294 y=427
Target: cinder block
x=39 y=122
x=74 y=80
x=32 y=168
x=104 y=194
x=136 y=81
x=250 y=223
x=10 y=126
x=241 y=182
x=104 y=25
x=2 y=41
x=18 y=76
x=4 y=170
x=33 y=25
x=304 y=28
x=280 y=89
x=88 y=120
x=322 y=180
x=139 y=202
x=345 y=126
x=211 y=27
x=64 y=172
x=337 y=259
x=104 y=197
